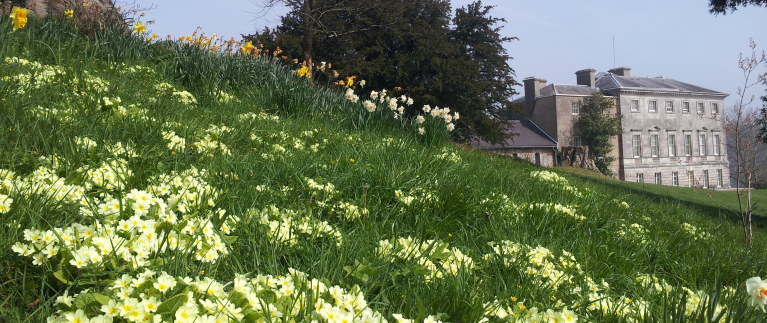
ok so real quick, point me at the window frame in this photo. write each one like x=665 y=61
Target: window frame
x=687 y=110
x=654 y=145
x=652 y=104
x=716 y=144
x=705 y=179
x=674 y=178
x=672 y=145
x=688 y=144
x=576 y=108
x=702 y=144
x=672 y=106
x=701 y=109
x=691 y=178
x=577 y=141
x=640 y=177
x=632 y=107
x=719 y=178
x=637 y=145
x=714 y=108
x=658 y=179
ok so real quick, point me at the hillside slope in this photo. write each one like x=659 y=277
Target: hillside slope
x=163 y=182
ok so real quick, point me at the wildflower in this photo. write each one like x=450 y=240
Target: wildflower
x=78 y=317
x=19 y=17
x=757 y=288
x=450 y=127
x=303 y=71
x=165 y=283
x=426 y=108
x=139 y=28
x=69 y=13
x=5 y=203
x=374 y=95
x=421 y=131
x=420 y=119
x=370 y=106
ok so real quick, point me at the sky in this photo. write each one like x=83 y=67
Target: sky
x=673 y=38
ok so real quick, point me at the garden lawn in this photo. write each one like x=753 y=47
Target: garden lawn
x=164 y=182
x=714 y=202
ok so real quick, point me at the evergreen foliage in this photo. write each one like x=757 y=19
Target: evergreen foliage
x=721 y=6
x=596 y=125
x=457 y=62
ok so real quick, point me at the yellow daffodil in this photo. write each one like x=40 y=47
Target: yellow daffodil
x=69 y=13
x=19 y=17
x=303 y=70
x=139 y=28
x=86 y=3
x=247 y=47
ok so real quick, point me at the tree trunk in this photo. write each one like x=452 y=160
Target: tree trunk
x=307 y=45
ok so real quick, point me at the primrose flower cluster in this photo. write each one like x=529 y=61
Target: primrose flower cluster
x=540 y=262
x=634 y=232
x=159 y=297
x=37 y=76
x=285 y=227
x=519 y=313
x=552 y=177
x=168 y=89
x=417 y=198
x=325 y=196
x=565 y=278
x=210 y=142
x=128 y=229
x=282 y=145
x=555 y=208
x=694 y=232
x=508 y=208
x=435 y=256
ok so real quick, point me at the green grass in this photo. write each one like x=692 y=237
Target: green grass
x=716 y=203
x=287 y=139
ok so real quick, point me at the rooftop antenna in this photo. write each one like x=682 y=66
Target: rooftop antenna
x=613 y=52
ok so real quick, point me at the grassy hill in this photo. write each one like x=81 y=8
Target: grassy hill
x=716 y=203
x=164 y=182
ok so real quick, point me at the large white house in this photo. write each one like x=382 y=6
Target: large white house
x=673 y=132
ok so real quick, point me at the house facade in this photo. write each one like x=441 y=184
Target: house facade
x=673 y=132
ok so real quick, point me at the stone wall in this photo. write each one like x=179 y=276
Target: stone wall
x=546 y=156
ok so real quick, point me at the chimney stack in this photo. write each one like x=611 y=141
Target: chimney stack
x=533 y=87
x=585 y=77
x=621 y=71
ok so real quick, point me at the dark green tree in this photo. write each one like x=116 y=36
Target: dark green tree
x=722 y=6
x=596 y=124
x=422 y=51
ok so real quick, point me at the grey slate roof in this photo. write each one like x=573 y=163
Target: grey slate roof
x=561 y=89
x=609 y=81
x=528 y=135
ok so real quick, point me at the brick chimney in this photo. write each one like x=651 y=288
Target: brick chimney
x=533 y=87
x=621 y=71
x=585 y=77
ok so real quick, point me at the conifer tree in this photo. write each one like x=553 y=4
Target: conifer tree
x=422 y=51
